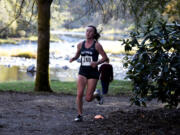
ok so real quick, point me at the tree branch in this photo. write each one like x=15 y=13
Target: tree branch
x=17 y=16
x=32 y=11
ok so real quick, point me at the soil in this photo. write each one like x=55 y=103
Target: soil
x=53 y=114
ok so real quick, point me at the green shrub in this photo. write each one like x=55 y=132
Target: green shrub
x=155 y=68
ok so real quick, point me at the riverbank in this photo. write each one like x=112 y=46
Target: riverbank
x=64 y=36
x=16 y=40
x=109 y=48
x=16 y=58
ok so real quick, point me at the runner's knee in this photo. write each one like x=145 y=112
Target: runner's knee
x=88 y=98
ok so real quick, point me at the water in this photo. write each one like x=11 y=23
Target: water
x=16 y=73
x=14 y=68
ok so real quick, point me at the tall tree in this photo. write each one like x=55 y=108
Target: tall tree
x=42 y=74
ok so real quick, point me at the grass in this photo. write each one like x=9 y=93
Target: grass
x=115 y=88
x=120 y=87
x=19 y=86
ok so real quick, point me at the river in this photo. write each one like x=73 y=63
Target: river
x=14 y=68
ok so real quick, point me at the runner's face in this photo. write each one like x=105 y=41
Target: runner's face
x=89 y=33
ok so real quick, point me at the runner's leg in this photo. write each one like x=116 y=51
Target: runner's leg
x=91 y=86
x=81 y=84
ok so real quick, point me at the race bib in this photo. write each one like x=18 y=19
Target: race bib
x=86 y=60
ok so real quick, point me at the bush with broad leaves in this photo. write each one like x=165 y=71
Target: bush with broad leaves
x=155 y=68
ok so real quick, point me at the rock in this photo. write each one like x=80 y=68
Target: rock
x=31 y=69
x=65 y=67
x=67 y=58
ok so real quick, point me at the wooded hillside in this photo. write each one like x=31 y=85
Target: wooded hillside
x=111 y=14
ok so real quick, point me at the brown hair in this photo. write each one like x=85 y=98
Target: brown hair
x=96 y=34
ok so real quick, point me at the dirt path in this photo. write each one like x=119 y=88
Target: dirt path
x=53 y=114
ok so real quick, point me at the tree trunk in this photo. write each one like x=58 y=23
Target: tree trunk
x=42 y=74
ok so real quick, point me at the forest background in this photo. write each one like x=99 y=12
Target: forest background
x=113 y=16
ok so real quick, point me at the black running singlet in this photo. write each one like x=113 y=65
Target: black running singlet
x=88 y=55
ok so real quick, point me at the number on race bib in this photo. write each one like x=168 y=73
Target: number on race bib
x=86 y=60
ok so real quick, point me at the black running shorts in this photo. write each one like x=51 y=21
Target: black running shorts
x=89 y=72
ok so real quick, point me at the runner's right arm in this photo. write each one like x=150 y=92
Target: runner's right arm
x=77 y=53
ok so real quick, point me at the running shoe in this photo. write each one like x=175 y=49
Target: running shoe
x=99 y=96
x=79 y=118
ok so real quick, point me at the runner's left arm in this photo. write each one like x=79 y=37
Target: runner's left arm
x=101 y=51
